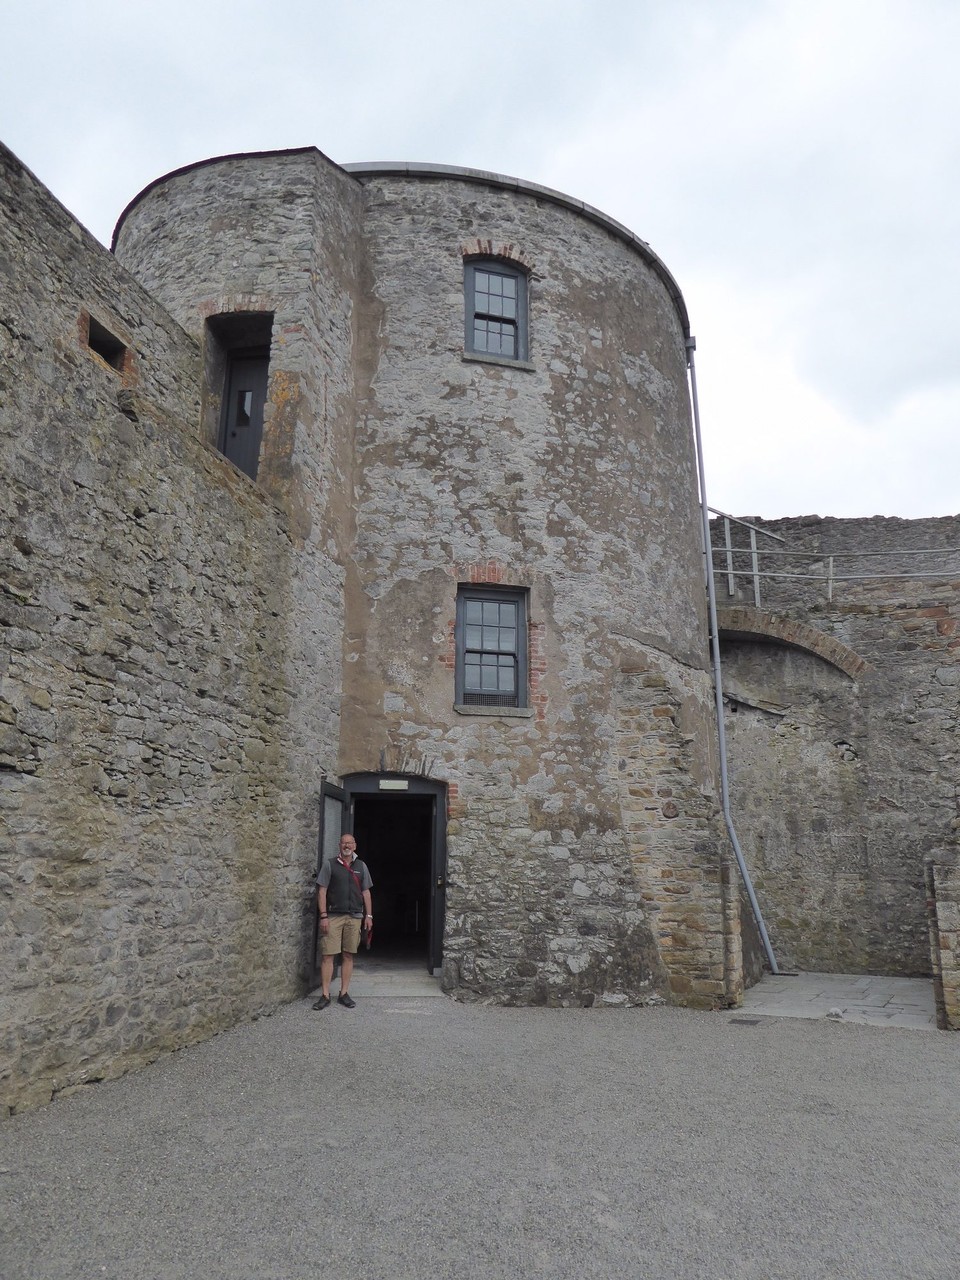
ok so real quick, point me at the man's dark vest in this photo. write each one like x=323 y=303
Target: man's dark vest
x=343 y=896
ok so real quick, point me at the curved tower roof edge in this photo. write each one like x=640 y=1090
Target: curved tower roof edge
x=389 y=168
x=412 y=169
x=202 y=164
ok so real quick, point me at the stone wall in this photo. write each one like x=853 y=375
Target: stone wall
x=942 y=873
x=279 y=232
x=157 y=778
x=175 y=635
x=676 y=837
x=842 y=731
x=572 y=476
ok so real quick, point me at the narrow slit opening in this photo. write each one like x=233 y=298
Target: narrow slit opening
x=107 y=347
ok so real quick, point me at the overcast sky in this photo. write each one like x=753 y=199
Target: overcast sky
x=795 y=163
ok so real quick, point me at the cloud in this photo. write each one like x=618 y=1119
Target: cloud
x=794 y=165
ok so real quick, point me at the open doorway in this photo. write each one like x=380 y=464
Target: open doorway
x=399 y=829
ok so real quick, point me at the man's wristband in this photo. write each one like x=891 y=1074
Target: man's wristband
x=324 y=916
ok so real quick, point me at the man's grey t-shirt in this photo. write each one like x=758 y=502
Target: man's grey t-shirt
x=343 y=896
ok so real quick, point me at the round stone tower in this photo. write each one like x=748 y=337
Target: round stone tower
x=477 y=406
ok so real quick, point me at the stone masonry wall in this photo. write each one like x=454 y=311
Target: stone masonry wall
x=278 y=232
x=158 y=827
x=844 y=755
x=676 y=836
x=571 y=476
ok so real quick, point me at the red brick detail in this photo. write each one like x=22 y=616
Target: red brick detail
x=490 y=571
x=496 y=249
x=537 y=667
x=455 y=805
x=448 y=657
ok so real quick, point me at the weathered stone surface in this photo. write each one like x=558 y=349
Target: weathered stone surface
x=456 y=470
x=187 y=654
x=153 y=623
x=841 y=722
x=548 y=477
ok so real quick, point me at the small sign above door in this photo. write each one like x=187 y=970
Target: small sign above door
x=393 y=784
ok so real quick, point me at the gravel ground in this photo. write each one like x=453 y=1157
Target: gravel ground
x=421 y=1138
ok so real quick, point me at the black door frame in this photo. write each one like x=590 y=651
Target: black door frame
x=397 y=785
x=330 y=797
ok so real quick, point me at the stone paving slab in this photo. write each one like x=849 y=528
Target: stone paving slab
x=874 y=1000
x=377 y=976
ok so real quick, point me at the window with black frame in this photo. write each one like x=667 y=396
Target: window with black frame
x=491 y=636
x=496 y=309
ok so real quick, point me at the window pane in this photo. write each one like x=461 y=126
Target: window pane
x=508 y=308
x=507 y=682
x=504 y=340
x=494 y=307
x=488 y=679
x=491 y=635
x=473 y=634
x=474 y=611
x=508 y=640
x=471 y=673
x=480 y=336
x=491 y=613
x=509 y=287
x=508 y=614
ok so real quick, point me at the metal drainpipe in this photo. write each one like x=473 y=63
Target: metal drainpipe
x=717 y=681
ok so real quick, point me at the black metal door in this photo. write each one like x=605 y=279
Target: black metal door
x=332 y=812
x=244 y=397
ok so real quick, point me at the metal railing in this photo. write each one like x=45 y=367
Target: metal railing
x=828 y=575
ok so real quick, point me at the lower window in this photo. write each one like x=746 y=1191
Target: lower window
x=491 y=640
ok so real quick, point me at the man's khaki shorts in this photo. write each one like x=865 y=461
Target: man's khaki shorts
x=343 y=934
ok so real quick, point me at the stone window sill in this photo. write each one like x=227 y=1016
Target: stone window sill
x=467 y=709
x=504 y=361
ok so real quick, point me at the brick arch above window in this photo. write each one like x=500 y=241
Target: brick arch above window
x=740 y=622
x=509 y=253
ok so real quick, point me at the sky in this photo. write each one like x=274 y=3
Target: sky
x=795 y=163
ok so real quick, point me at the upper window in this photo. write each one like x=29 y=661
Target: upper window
x=496 y=309
x=491 y=647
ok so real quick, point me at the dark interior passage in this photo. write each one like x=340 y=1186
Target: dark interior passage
x=394 y=837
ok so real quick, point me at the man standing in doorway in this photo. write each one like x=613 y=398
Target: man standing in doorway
x=343 y=896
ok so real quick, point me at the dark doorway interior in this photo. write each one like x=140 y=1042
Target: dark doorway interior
x=395 y=838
